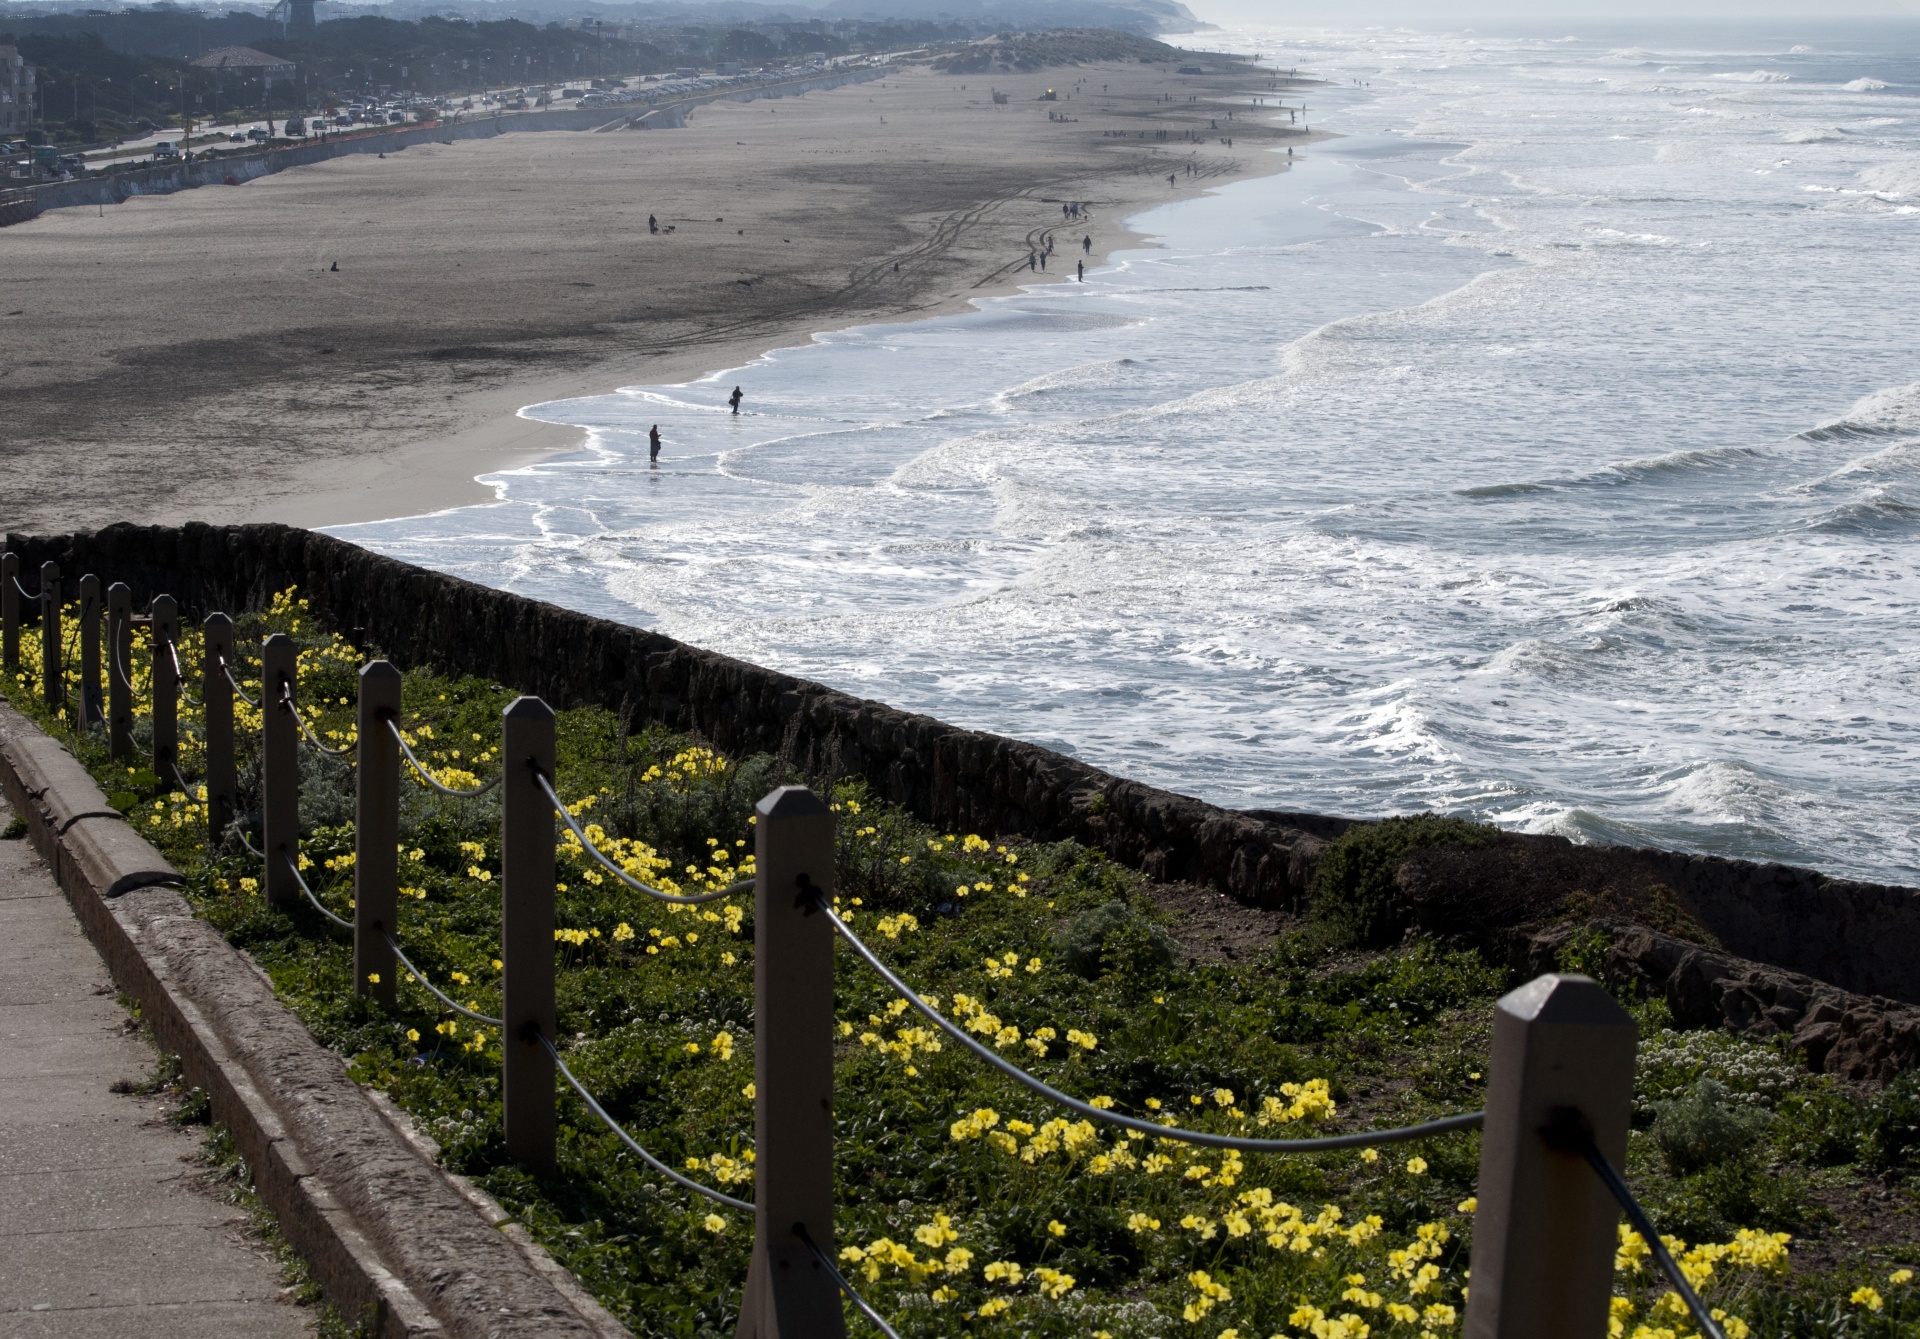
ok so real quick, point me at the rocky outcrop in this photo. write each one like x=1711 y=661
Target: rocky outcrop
x=1856 y=1037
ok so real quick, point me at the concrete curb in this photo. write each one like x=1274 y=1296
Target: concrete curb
x=389 y=1235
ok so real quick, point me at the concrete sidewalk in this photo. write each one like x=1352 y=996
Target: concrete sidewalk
x=104 y=1230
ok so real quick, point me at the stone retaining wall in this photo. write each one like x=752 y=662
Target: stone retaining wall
x=1860 y=937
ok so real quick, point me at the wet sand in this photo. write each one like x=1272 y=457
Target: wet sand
x=197 y=356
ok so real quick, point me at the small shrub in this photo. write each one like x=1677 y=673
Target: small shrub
x=1891 y=1134
x=1354 y=895
x=1113 y=938
x=1705 y=1127
x=16 y=829
x=1717 y=1201
x=1818 y=1128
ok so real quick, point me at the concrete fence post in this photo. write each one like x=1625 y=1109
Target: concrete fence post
x=164 y=682
x=53 y=677
x=119 y=671
x=90 y=707
x=223 y=781
x=526 y=932
x=1544 y=1233
x=788 y=1294
x=279 y=769
x=376 y=841
x=10 y=612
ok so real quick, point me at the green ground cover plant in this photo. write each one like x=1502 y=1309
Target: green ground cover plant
x=967 y=1205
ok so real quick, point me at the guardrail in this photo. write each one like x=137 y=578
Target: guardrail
x=1559 y=1094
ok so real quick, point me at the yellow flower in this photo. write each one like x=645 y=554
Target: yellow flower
x=1868 y=1298
x=1417 y=1166
x=1900 y=1277
x=1057 y=1228
x=714 y=1223
x=413 y=1034
x=373 y=978
x=749 y=1092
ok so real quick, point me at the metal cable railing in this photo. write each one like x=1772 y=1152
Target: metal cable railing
x=234 y=683
x=685 y=900
x=716 y=1196
x=119 y=670
x=428 y=777
x=180 y=677
x=287 y=704
x=1569 y=1132
x=432 y=989
x=826 y=1262
x=293 y=866
x=24 y=592
x=1326 y=1144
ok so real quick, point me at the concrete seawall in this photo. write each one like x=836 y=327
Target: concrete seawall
x=1861 y=937
x=239 y=168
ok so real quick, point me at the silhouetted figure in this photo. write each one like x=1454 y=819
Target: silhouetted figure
x=1086 y=244
x=653 y=224
x=735 y=399
x=1081 y=266
x=653 y=443
x=1033 y=261
x=334 y=268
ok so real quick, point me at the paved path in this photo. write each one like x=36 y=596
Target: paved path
x=104 y=1230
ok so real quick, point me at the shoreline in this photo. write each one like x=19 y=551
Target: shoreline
x=500 y=433
x=335 y=364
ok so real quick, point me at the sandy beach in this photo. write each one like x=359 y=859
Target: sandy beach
x=199 y=357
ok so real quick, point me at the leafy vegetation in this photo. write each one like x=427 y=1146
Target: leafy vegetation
x=968 y=1206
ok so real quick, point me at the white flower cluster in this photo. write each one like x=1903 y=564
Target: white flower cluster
x=1756 y=1072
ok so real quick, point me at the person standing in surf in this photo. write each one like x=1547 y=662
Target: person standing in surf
x=653 y=444
x=735 y=399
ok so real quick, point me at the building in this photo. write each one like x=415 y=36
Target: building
x=244 y=60
x=16 y=92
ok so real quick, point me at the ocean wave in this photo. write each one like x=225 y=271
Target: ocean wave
x=1864 y=86
x=1677 y=463
x=1496 y=491
x=1815 y=135
x=1875 y=512
x=1891 y=412
x=1086 y=377
x=1755 y=77
x=1892 y=180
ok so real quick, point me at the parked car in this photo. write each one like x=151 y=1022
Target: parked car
x=166 y=151
x=296 y=125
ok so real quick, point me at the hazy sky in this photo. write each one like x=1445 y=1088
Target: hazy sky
x=1599 y=13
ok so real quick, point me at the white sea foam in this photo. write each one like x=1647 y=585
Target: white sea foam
x=1864 y=85
x=1544 y=450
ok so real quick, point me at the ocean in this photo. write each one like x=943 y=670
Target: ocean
x=1546 y=449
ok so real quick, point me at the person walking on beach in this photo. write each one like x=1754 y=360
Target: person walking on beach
x=1033 y=261
x=735 y=399
x=1081 y=266
x=653 y=444
x=653 y=224
x=1086 y=244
